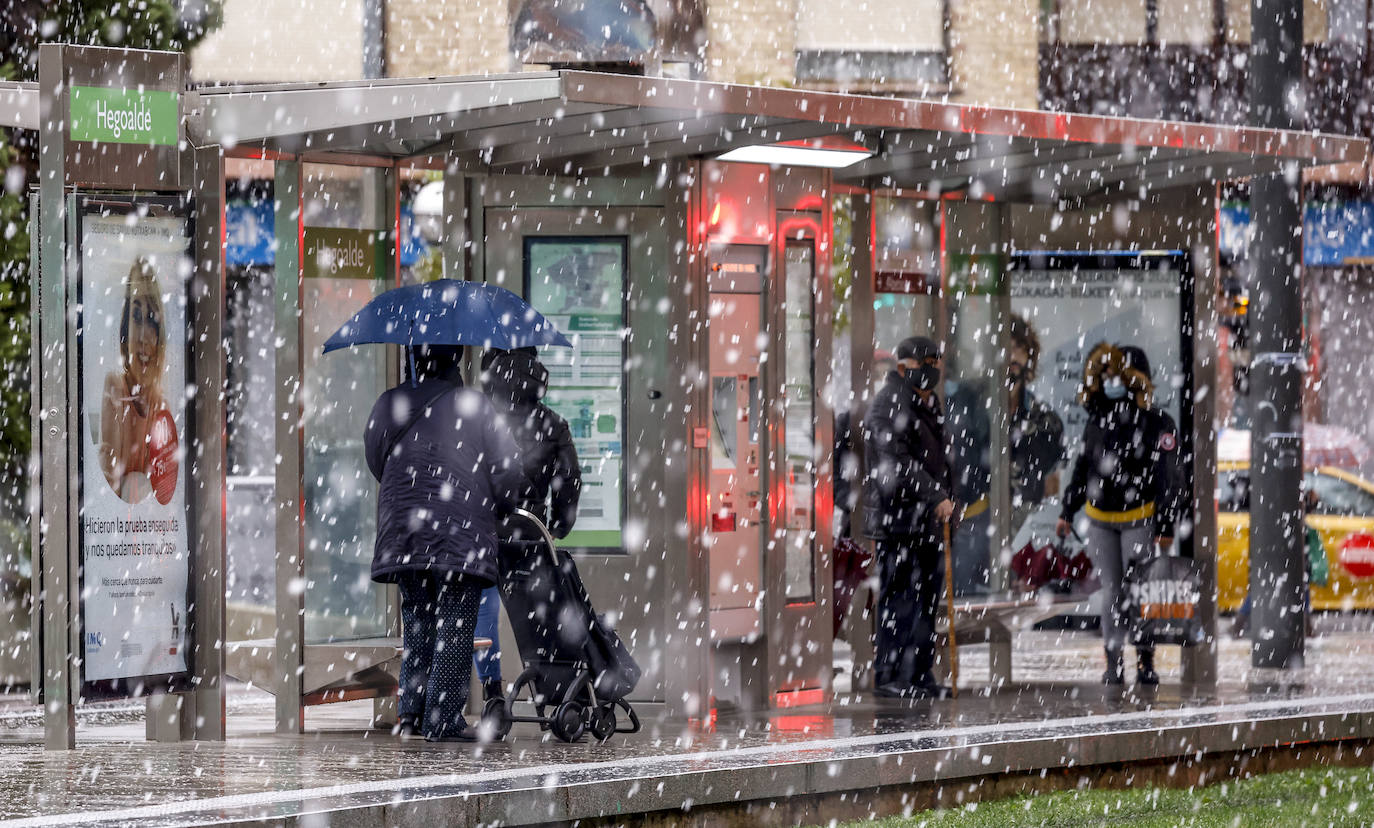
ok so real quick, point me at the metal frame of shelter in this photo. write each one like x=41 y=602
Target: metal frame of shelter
x=996 y=174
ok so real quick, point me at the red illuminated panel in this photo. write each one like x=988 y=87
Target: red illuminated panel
x=799 y=698
x=808 y=725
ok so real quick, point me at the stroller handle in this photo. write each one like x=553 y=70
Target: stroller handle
x=543 y=530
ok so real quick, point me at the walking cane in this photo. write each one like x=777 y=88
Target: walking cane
x=949 y=604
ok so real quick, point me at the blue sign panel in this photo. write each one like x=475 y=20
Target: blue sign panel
x=1333 y=232
x=249 y=232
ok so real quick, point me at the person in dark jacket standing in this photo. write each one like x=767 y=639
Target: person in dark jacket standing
x=1125 y=481
x=1035 y=441
x=448 y=472
x=516 y=381
x=907 y=497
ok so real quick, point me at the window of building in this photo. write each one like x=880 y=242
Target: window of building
x=872 y=45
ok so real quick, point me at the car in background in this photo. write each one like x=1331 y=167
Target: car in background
x=1343 y=517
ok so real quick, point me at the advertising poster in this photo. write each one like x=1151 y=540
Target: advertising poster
x=1071 y=309
x=135 y=558
x=578 y=284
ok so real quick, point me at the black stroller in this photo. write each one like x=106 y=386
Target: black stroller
x=574 y=662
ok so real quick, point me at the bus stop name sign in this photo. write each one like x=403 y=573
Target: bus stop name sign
x=123 y=126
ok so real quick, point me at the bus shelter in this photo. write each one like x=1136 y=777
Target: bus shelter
x=683 y=232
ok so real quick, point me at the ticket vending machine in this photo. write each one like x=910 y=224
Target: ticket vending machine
x=736 y=527
x=768 y=524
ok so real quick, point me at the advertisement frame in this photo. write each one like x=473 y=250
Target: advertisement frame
x=1179 y=261
x=92 y=204
x=623 y=242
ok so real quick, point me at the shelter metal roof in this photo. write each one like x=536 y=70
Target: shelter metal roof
x=586 y=123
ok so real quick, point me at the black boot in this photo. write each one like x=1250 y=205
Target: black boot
x=1145 y=667
x=1116 y=668
x=492 y=690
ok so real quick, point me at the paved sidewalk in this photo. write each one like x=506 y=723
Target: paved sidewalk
x=341 y=762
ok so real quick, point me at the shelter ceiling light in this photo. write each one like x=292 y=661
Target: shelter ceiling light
x=831 y=153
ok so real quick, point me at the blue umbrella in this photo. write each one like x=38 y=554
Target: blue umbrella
x=448 y=312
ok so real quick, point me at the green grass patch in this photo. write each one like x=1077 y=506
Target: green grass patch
x=1311 y=797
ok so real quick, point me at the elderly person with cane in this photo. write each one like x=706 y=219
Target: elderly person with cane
x=907 y=499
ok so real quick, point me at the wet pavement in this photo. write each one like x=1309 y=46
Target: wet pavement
x=1054 y=714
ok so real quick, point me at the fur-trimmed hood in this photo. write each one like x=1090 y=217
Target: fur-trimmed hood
x=1107 y=360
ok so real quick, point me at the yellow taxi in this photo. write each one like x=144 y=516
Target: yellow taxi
x=1343 y=517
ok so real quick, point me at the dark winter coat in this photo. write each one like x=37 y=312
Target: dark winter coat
x=516 y=381
x=548 y=461
x=1129 y=462
x=906 y=457
x=1036 y=444
x=444 y=482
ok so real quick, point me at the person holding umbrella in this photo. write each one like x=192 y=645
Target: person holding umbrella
x=448 y=470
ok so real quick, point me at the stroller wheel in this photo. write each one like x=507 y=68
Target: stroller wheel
x=567 y=722
x=494 y=717
x=601 y=722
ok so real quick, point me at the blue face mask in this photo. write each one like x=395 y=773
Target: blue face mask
x=1115 y=390
x=950 y=387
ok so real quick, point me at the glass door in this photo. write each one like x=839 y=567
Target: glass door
x=799 y=624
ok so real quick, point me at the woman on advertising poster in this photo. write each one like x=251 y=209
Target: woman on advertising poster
x=138 y=436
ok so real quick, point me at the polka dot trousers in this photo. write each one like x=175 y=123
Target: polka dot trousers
x=438 y=616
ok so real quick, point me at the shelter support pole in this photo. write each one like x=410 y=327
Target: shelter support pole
x=210 y=459
x=55 y=569
x=1200 y=662
x=978 y=309
x=454 y=243
x=387 y=217
x=201 y=714
x=289 y=653
x=1277 y=582
x=998 y=343
x=861 y=344
x=687 y=641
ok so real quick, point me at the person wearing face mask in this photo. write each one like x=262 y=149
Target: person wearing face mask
x=516 y=381
x=1036 y=444
x=1125 y=481
x=908 y=490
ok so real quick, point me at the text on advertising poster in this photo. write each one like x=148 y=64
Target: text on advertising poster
x=579 y=284
x=135 y=557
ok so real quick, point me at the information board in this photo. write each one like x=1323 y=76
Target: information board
x=136 y=564
x=578 y=283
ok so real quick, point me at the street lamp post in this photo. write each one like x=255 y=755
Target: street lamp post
x=1276 y=528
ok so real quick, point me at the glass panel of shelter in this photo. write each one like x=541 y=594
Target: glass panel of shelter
x=341 y=224
x=1061 y=306
x=799 y=391
x=990 y=309
x=250 y=402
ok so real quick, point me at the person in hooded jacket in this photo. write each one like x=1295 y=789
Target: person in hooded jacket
x=1125 y=481
x=907 y=497
x=551 y=478
x=448 y=471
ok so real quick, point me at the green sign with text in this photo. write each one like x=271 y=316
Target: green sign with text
x=340 y=253
x=124 y=116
